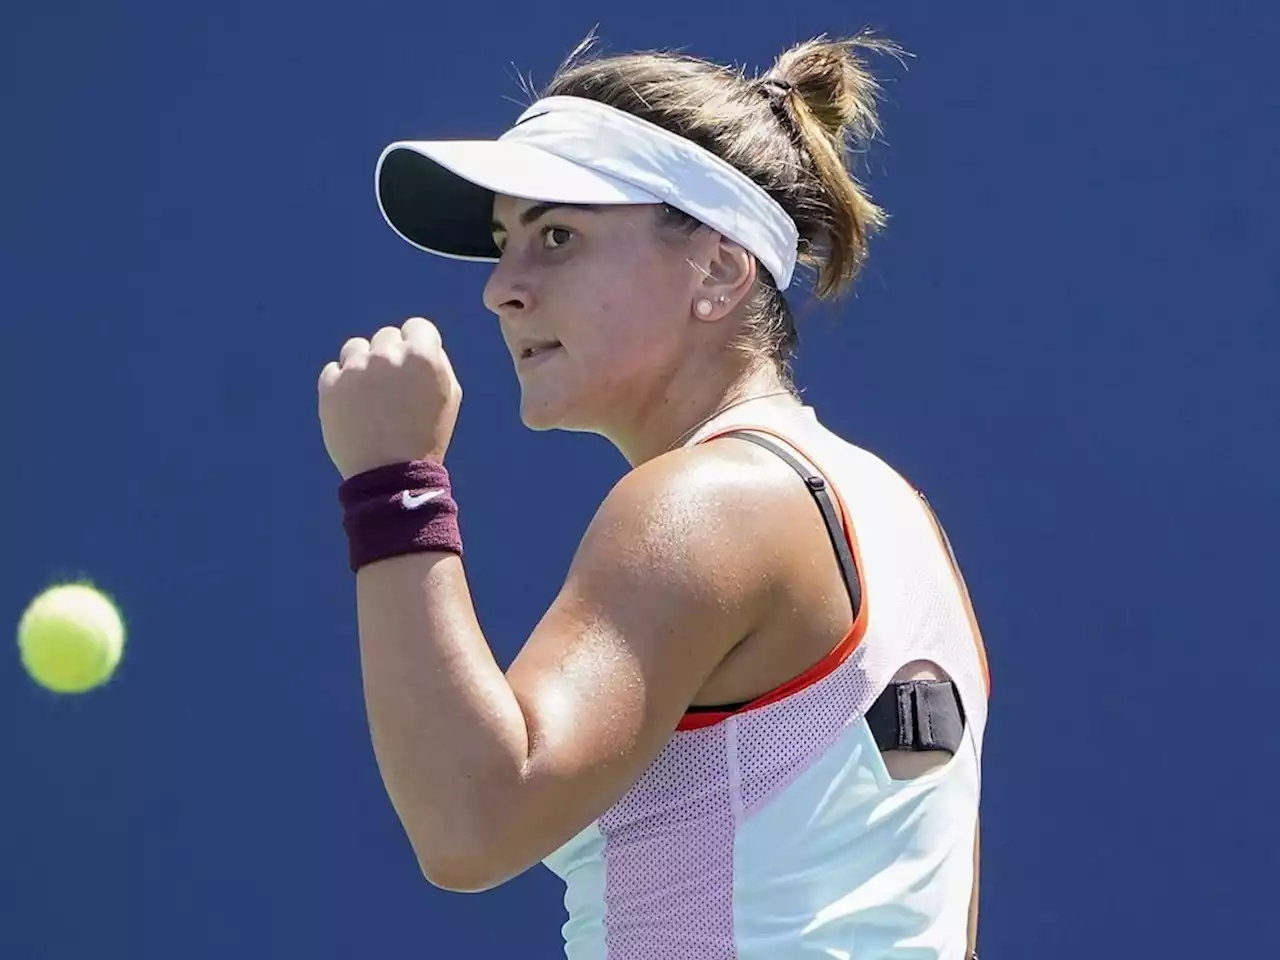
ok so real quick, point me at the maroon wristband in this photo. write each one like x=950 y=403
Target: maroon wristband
x=399 y=509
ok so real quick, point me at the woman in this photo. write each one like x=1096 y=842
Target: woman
x=750 y=724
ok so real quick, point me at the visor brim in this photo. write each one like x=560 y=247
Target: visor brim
x=438 y=195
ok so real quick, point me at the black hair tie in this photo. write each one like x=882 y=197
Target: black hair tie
x=778 y=93
x=772 y=86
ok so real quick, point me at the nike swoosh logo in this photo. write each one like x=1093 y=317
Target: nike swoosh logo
x=412 y=501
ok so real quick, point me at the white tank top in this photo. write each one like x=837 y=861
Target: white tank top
x=774 y=831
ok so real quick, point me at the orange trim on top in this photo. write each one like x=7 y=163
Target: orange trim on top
x=848 y=643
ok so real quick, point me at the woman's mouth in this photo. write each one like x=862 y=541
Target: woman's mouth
x=539 y=349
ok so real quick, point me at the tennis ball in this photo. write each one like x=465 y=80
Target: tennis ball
x=70 y=638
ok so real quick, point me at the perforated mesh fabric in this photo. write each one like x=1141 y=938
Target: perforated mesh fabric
x=778 y=741
x=669 y=857
x=659 y=874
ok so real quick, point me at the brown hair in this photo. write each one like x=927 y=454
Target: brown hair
x=791 y=130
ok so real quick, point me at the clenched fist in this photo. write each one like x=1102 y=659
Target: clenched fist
x=389 y=399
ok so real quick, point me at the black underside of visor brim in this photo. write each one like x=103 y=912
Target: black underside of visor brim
x=435 y=208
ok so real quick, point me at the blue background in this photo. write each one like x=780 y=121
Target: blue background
x=1067 y=338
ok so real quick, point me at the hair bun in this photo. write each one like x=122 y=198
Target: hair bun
x=834 y=84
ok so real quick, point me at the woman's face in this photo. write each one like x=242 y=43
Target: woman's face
x=596 y=307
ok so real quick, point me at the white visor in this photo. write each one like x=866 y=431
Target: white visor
x=438 y=194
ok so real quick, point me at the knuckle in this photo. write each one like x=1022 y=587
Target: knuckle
x=422 y=354
x=385 y=340
x=356 y=361
x=422 y=330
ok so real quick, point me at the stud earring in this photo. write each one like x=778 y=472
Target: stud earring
x=703 y=308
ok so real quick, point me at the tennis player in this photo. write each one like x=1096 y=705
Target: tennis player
x=750 y=724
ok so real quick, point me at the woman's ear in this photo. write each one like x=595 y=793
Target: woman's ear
x=728 y=273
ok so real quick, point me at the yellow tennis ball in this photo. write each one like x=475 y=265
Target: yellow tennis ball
x=70 y=638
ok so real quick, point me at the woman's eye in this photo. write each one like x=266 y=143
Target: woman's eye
x=554 y=237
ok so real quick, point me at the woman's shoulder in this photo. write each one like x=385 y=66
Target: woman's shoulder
x=723 y=475
x=719 y=506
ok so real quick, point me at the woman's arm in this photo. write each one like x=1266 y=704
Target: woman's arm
x=490 y=773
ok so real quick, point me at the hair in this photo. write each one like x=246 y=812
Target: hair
x=792 y=130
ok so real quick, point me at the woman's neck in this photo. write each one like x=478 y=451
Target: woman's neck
x=683 y=413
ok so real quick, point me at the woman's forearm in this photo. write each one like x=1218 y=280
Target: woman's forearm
x=450 y=739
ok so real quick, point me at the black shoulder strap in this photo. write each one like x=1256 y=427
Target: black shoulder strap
x=818 y=487
x=912 y=715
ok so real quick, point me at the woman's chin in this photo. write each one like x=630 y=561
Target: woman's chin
x=539 y=413
x=554 y=412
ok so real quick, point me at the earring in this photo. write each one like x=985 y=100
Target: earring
x=703 y=308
